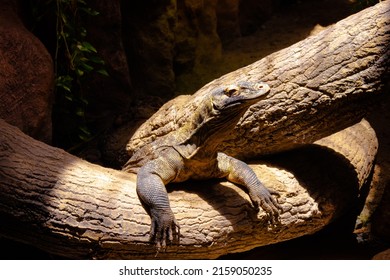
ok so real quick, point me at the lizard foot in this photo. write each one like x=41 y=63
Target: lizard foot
x=263 y=197
x=163 y=228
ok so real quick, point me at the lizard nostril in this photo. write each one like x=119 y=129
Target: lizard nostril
x=259 y=86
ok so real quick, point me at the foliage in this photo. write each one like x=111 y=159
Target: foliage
x=75 y=59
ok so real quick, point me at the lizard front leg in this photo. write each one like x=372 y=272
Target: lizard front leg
x=151 y=181
x=239 y=172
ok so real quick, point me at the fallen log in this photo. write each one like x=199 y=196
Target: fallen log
x=72 y=208
x=75 y=209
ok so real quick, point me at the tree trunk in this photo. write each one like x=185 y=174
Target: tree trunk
x=69 y=207
x=319 y=85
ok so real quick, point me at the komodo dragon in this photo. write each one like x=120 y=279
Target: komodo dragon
x=191 y=153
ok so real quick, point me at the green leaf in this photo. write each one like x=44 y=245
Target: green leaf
x=83 y=137
x=82 y=2
x=86 y=47
x=79 y=72
x=63 y=18
x=90 y=11
x=103 y=72
x=97 y=60
x=83 y=32
x=80 y=112
x=64 y=87
x=84 y=101
x=84 y=131
x=69 y=97
x=86 y=67
x=64 y=82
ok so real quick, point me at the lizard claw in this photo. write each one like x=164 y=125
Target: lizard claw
x=264 y=198
x=163 y=228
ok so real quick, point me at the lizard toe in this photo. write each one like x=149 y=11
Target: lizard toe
x=267 y=202
x=163 y=228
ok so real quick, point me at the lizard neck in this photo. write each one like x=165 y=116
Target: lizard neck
x=207 y=131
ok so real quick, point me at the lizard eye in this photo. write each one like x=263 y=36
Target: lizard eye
x=232 y=91
x=259 y=86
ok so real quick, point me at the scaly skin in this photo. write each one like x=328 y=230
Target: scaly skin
x=192 y=153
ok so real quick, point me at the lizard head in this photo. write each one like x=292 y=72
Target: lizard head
x=214 y=119
x=237 y=97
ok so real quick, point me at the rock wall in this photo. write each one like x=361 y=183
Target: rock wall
x=109 y=95
x=167 y=38
x=26 y=76
x=149 y=41
x=240 y=18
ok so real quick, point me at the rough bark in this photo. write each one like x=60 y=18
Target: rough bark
x=72 y=208
x=318 y=86
x=69 y=207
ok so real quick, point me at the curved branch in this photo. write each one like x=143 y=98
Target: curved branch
x=69 y=207
x=319 y=85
